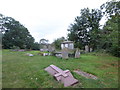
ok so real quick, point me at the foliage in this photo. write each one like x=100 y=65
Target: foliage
x=15 y=34
x=110 y=8
x=15 y=47
x=57 y=42
x=35 y=46
x=85 y=30
x=43 y=42
x=110 y=36
x=110 y=33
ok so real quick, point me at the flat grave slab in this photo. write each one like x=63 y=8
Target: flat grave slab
x=64 y=77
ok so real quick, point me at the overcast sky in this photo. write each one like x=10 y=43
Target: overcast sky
x=47 y=19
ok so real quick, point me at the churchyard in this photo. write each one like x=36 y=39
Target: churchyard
x=92 y=70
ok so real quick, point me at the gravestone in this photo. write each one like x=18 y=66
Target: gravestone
x=64 y=77
x=86 y=49
x=45 y=48
x=50 y=48
x=64 y=53
x=77 y=53
x=45 y=54
x=91 y=49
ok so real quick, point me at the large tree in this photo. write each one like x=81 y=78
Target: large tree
x=85 y=30
x=15 y=34
x=110 y=33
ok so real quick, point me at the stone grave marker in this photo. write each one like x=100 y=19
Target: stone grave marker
x=65 y=53
x=64 y=77
x=45 y=54
x=77 y=53
x=50 y=48
x=86 y=48
x=91 y=49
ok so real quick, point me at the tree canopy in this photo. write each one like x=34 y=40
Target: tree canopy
x=86 y=28
x=57 y=42
x=15 y=34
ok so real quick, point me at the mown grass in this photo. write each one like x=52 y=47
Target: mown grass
x=21 y=71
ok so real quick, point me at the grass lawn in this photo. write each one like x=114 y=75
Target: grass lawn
x=21 y=71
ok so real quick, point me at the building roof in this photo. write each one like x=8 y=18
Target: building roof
x=67 y=42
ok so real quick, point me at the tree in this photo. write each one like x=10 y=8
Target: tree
x=57 y=42
x=43 y=42
x=111 y=8
x=85 y=30
x=2 y=21
x=15 y=34
x=35 y=46
x=110 y=34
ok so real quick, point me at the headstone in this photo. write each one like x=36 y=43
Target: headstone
x=45 y=48
x=86 y=48
x=50 y=49
x=64 y=77
x=91 y=49
x=65 y=53
x=77 y=53
x=45 y=54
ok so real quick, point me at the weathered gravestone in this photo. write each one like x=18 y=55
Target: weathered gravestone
x=86 y=48
x=77 y=53
x=64 y=77
x=91 y=49
x=65 y=53
x=45 y=54
x=50 y=48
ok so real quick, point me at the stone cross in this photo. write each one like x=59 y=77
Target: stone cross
x=64 y=77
